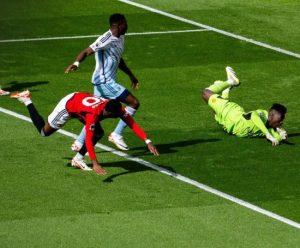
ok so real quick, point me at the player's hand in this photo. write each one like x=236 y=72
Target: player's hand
x=283 y=134
x=134 y=82
x=274 y=141
x=153 y=149
x=71 y=67
x=98 y=168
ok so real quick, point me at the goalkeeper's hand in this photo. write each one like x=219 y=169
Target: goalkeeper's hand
x=283 y=134
x=274 y=141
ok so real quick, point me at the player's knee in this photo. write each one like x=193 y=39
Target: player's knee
x=135 y=104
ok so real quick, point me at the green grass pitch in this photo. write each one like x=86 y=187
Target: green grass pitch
x=44 y=202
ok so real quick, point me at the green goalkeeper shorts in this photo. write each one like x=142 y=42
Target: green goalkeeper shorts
x=227 y=113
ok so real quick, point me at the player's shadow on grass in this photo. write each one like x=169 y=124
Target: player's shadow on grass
x=287 y=142
x=20 y=86
x=171 y=147
x=293 y=134
x=129 y=166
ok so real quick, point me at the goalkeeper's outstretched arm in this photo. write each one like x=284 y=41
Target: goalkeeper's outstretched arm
x=270 y=135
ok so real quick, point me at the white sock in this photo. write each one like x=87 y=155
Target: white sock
x=122 y=125
x=230 y=81
x=78 y=156
x=130 y=110
x=27 y=101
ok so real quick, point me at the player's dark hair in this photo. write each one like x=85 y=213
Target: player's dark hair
x=279 y=108
x=114 y=106
x=114 y=18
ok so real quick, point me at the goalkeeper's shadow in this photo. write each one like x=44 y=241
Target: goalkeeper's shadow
x=288 y=142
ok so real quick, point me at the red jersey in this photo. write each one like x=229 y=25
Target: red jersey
x=88 y=109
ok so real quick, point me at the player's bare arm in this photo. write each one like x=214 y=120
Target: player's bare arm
x=125 y=68
x=81 y=56
x=153 y=149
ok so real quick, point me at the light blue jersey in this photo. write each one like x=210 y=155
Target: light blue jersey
x=108 y=52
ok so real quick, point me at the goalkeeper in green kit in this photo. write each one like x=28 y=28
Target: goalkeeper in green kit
x=236 y=121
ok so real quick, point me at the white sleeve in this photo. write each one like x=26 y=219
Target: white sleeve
x=102 y=42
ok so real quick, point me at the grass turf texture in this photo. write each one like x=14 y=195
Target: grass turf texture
x=46 y=202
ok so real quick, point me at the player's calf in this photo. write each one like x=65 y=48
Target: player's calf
x=37 y=120
x=132 y=101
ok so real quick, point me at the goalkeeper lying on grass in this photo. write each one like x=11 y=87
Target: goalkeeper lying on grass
x=236 y=121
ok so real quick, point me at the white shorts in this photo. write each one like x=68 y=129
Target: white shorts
x=60 y=115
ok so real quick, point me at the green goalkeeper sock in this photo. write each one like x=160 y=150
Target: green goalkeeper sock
x=225 y=93
x=219 y=86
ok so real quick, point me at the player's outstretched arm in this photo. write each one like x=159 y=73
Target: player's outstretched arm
x=140 y=133
x=261 y=125
x=81 y=56
x=152 y=149
x=90 y=134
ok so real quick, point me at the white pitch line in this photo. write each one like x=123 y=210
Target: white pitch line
x=168 y=32
x=220 y=31
x=97 y=35
x=175 y=175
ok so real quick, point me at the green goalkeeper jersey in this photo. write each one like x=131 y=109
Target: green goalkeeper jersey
x=252 y=124
x=236 y=121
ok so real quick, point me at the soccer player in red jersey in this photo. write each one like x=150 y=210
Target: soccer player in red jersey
x=90 y=110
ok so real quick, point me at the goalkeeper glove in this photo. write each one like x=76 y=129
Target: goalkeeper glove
x=274 y=141
x=283 y=134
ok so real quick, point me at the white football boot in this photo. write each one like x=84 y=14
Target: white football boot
x=22 y=96
x=231 y=76
x=4 y=93
x=79 y=163
x=118 y=141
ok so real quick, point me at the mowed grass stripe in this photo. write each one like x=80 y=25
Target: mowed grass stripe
x=175 y=175
x=202 y=226
x=220 y=31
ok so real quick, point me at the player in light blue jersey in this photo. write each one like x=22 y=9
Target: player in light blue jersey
x=108 y=49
